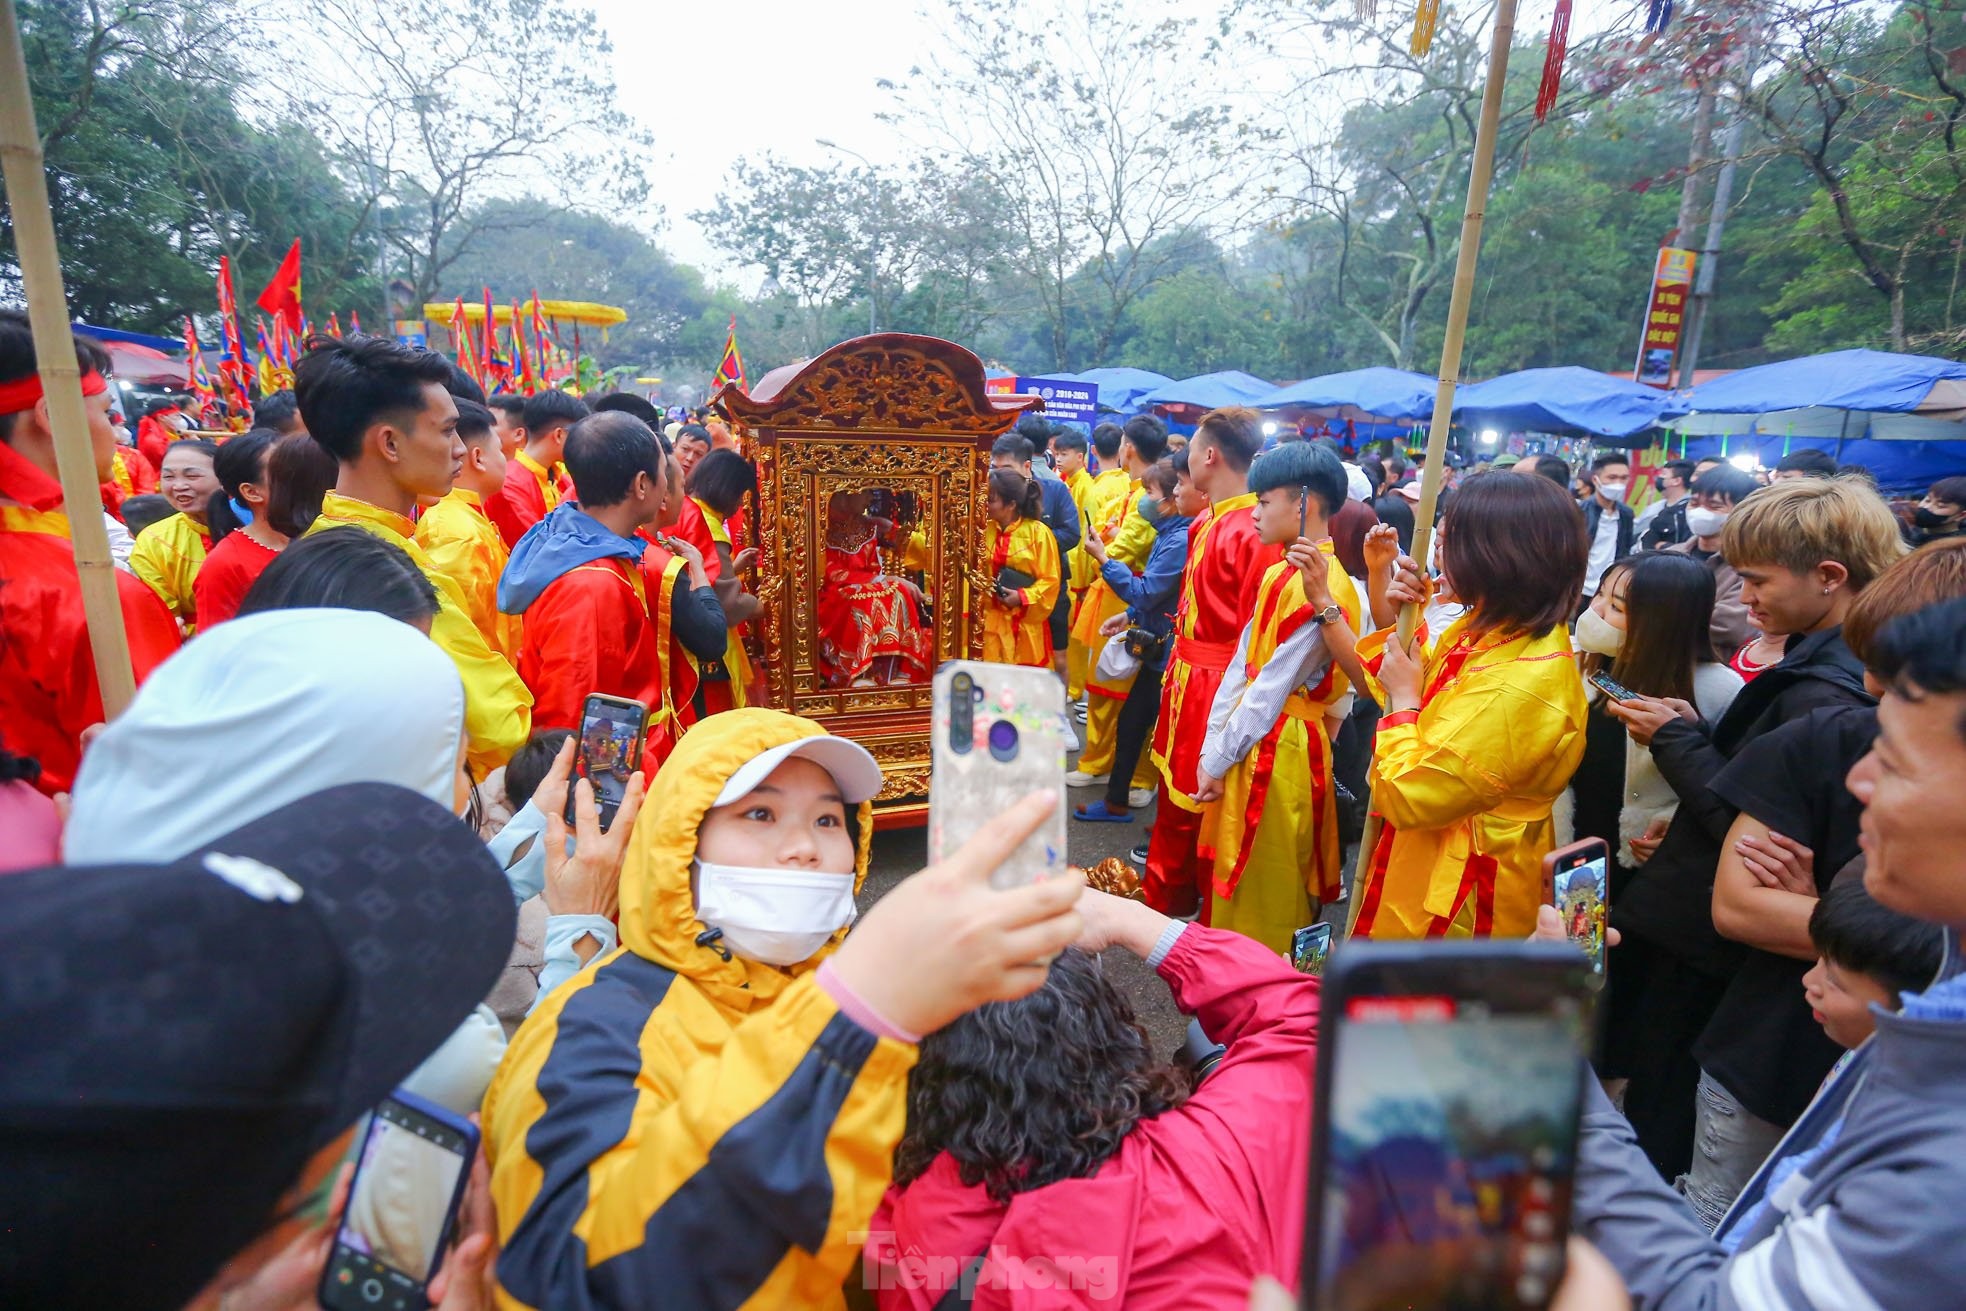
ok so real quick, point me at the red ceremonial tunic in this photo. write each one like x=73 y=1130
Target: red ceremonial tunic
x=226 y=576
x=662 y=574
x=589 y=631
x=1226 y=564
x=48 y=689
x=529 y=492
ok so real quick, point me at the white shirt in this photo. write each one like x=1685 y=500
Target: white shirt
x=1245 y=709
x=1604 y=549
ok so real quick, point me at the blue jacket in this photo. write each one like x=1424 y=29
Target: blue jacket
x=1152 y=594
x=1061 y=512
x=565 y=539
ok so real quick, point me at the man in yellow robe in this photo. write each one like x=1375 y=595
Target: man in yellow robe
x=381 y=410
x=1070 y=449
x=460 y=538
x=1272 y=830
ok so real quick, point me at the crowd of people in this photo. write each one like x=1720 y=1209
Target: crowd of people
x=336 y=847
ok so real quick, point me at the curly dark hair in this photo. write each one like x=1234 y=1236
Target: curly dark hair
x=1025 y=1093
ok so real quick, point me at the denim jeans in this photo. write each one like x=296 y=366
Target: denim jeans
x=1729 y=1145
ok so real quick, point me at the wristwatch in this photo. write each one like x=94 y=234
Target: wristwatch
x=1331 y=614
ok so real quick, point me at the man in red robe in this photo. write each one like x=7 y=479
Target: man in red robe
x=48 y=688
x=1226 y=564
x=577 y=580
x=534 y=478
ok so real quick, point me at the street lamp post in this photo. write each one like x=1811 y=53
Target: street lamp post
x=835 y=146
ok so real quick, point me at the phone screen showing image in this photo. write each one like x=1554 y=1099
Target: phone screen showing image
x=1448 y=1161
x=1310 y=948
x=1617 y=691
x=610 y=751
x=399 y=1211
x=1581 y=893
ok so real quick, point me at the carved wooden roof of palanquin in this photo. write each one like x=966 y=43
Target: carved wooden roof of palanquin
x=892 y=380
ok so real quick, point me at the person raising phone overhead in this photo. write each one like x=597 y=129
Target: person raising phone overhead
x=706 y=1116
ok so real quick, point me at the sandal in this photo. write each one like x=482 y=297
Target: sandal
x=1096 y=813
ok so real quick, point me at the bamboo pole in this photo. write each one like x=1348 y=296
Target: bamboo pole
x=54 y=352
x=1479 y=174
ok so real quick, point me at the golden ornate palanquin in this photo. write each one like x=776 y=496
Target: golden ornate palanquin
x=890 y=429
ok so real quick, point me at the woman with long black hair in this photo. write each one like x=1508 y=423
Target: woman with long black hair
x=243 y=542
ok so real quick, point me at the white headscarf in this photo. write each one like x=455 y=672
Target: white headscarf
x=258 y=713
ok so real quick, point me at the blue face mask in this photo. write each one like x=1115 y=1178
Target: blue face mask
x=1150 y=511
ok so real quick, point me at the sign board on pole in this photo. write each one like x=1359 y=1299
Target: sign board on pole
x=413 y=332
x=1065 y=399
x=1672 y=281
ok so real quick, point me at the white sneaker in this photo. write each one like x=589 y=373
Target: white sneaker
x=1141 y=798
x=1078 y=778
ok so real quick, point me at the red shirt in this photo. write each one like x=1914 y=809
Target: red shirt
x=227 y=574
x=48 y=688
x=521 y=502
x=589 y=631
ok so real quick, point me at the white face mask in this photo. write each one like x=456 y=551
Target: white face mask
x=1597 y=634
x=1702 y=522
x=1612 y=491
x=774 y=916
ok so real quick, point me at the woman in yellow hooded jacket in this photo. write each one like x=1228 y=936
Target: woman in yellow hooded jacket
x=706 y=1116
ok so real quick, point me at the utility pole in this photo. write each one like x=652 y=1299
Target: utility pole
x=1696 y=162
x=1703 y=276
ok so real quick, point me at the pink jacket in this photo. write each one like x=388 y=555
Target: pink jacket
x=1193 y=1207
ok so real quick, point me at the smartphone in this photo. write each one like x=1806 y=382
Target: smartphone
x=998 y=735
x=611 y=733
x=1310 y=948
x=1444 y=1132
x=409 y=1180
x=1617 y=691
x=1577 y=881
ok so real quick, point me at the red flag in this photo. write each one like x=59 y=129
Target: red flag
x=282 y=295
x=486 y=343
x=354 y=324
x=731 y=368
x=232 y=364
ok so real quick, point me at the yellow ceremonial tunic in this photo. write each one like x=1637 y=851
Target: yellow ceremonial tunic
x=1465 y=785
x=1020 y=635
x=1273 y=838
x=460 y=539
x=167 y=556
x=1083 y=571
x=1129 y=539
x=497 y=706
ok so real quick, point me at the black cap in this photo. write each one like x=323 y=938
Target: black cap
x=177 y=1040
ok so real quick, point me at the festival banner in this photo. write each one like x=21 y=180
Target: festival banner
x=194 y=368
x=232 y=368
x=731 y=368
x=1672 y=281
x=521 y=356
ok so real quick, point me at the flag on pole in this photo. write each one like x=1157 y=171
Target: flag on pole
x=545 y=378
x=232 y=365
x=281 y=298
x=488 y=355
x=269 y=368
x=467 y=354
x=354 y=324
x=731 y=368
x=528 y=379
x=194 y=367
x=334 y=324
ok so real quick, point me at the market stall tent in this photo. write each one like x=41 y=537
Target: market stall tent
x=1564 y=399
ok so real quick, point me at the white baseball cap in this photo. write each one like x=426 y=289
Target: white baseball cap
x=854 y=771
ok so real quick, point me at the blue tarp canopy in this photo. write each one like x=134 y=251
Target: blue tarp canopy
x=135 y=338
x=1120 y=389
x=1876 y=382
x=1210 y=390
x=1364 y=395
x=1566 y=399
x=1901 y=468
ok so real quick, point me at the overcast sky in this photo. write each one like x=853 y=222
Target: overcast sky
x=743 y=77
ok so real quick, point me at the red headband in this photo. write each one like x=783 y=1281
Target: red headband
x=23 y=393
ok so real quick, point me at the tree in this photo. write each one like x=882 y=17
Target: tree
x=1068 y=108
x=434 y=107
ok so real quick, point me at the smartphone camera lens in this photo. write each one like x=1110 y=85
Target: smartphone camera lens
x=963 y=696
x=1003 y=740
